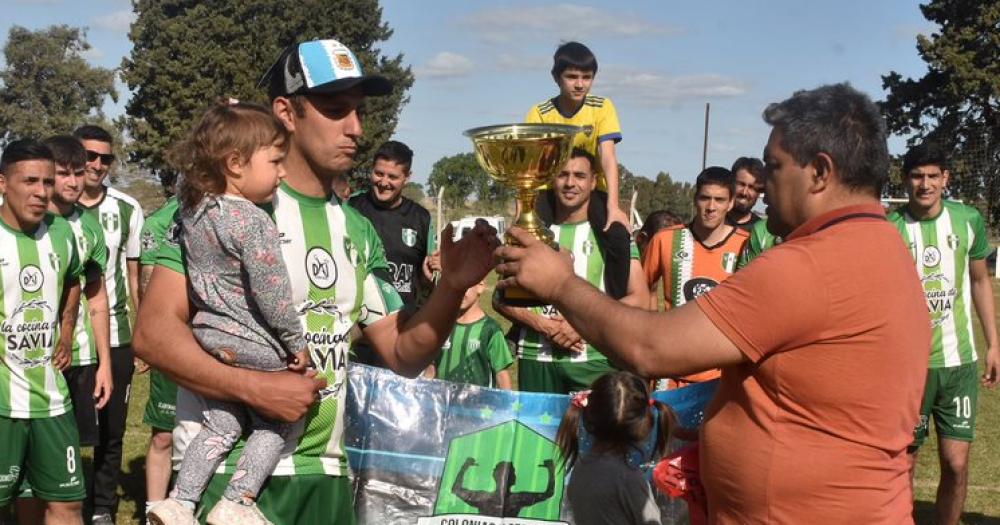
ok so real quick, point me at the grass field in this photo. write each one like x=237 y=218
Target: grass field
x=981 y=508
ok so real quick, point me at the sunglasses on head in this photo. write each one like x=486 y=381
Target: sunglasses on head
x=106 y=158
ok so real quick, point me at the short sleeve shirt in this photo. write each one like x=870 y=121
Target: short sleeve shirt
x=339 y=278
x=156 y=230
x=835 y=331
x=93 y=252
x=34 y=268
x=598 y=112
x=474 y=353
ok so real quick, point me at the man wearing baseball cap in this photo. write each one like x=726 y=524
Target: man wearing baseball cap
x=339 y=276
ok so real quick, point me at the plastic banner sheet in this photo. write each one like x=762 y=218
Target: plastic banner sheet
x=430 y=452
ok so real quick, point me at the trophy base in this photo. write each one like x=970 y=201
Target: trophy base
x=517 y=296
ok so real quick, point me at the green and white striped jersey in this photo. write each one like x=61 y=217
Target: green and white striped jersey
x=120 y=217
x=588 y=264
x=942 y=248
x=33 y=270
x=93 y=251
x=760 y=239
x=156 y=231
x=339 y=277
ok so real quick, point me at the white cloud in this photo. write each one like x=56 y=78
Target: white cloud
x=656 y=89
x=446 y=65
x=557 y=22
x=119 y=21
x=516 y=62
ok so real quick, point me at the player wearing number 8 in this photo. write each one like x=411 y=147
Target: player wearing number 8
x=39 y=270
x=949 y=245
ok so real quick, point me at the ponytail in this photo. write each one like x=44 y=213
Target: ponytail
x=568 y=437
x=668 y=423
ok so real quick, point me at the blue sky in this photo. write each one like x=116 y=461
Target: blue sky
x=479 y=63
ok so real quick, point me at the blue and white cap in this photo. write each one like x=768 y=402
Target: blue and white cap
x=319 y=66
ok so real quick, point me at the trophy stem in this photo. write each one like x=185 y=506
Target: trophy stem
x=528 y=220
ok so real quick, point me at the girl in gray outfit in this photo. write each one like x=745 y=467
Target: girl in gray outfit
x=242 y=296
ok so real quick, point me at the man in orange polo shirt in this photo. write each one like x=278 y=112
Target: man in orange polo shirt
x=693 y=258
x=806 y=426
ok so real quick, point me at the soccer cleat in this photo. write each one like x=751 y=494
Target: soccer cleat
x=171 y=512
x=227 y=512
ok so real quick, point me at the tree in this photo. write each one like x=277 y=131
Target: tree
x=188 y=53
x=461 y=177
x=661 y=194
x=414 y=191
x=48 y=87
x=956 y=104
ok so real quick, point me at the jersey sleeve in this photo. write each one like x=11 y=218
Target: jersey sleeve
x=534 y=116
x=379 y=297
x=151 y=237
x=608 y=127
x=980 y=248
x=98 y=255
x=133 y=246
x=754 y=246
x=170 y=253
x=497 y=350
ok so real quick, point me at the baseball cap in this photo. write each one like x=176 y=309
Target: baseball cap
x=319 y=66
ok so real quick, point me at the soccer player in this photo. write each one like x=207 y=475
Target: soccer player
x=39 y=275
x=552 y=357
x=949 y=244
x=120 y=217
x=339 y=278
x=89 y=374
x=401 y=224
x=692 y=259
x=804 y=427
x=158 y=229
x=656 y=220
x=748 y=172
x=574 y=67
x=476 y=352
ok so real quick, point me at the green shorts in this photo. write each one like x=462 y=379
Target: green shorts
x=161 y=408
x=950 y=396
x=315 y=499
x=45 y=452
x=559 y=377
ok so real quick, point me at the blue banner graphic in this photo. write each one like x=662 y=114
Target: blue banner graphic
x=433 y=452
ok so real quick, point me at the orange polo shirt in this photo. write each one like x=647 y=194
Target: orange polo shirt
x=814 y=427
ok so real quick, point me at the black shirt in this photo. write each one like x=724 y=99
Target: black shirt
x=603 y=489
x=748 y=225
x=404 y=231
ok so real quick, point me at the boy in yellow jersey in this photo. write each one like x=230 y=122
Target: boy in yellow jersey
x=574 y=67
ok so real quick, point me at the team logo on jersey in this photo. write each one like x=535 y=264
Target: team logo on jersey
x=173 y=235
x=697 y=287
x=54 y=260
x=409 y=237
x=508 y=473
x=931 y=256
x=682 y=256
x=148 y=241
x=31 y=278
x=321 y=268
x=352 y=252
x=953 y=242
x=110 y=222
x=729 y=261
x=588 y=247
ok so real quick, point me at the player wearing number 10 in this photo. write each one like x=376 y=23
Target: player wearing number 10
x=949 y=245
x=39 y=270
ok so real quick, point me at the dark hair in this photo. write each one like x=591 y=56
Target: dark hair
x=752 y=165
x=658 y=220
x=718 y=176
x=226 y=127
x=580 y=153
x=840 y=121
x=23 y=150
x=91 y=132
x=926 y=154
x=573 y=55
x=67 y=151
x=619 y=416
x=395 y=151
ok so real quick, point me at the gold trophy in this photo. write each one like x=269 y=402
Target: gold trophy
x=524 y=157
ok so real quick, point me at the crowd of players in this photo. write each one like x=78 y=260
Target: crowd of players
x=377 y=282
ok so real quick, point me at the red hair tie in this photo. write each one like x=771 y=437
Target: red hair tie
x=652 y=402
x=579 y=399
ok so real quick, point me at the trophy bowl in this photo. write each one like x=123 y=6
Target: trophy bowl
x=524 y=157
